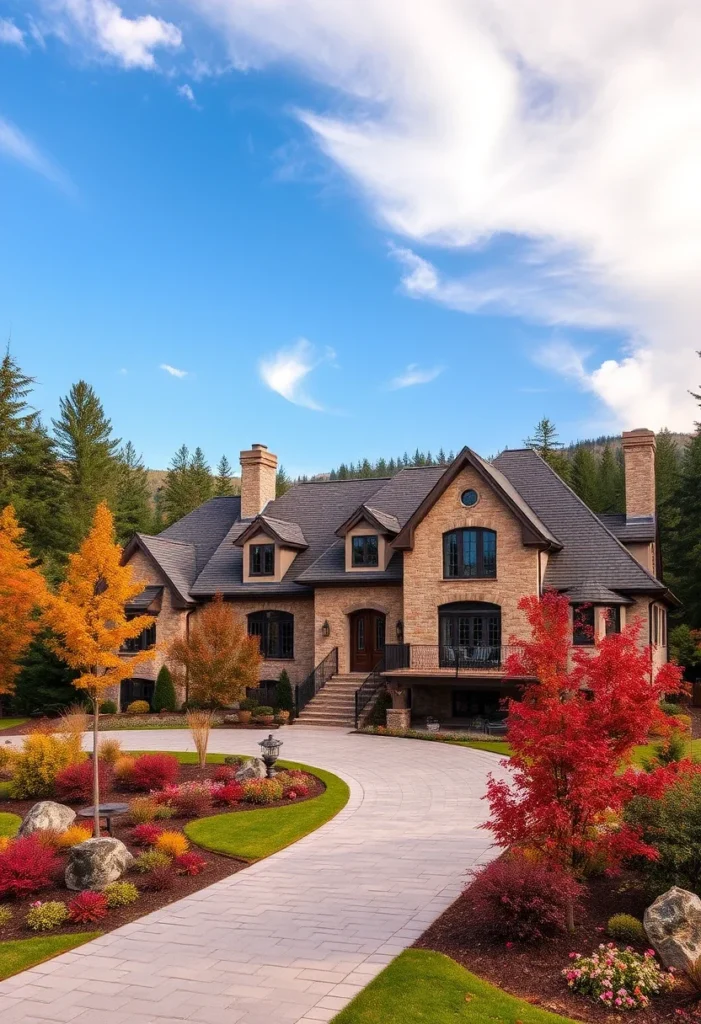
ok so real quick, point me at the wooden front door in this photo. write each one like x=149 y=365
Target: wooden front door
x=367 y=639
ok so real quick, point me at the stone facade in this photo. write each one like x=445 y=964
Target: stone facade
x=335 y=605
x=299 y=667
x=425 y=589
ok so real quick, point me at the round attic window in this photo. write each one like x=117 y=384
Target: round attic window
x=469 y=498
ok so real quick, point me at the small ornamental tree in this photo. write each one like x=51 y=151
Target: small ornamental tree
x=164 y=698
x=218 y=658
x=22 y=595
x=570 y=734
x=284 y=698
x=88 y=616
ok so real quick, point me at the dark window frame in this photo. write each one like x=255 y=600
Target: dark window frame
x=365 y=551
x=276 y=630
x=484 y=563
x=144 y=641
x=583 y=624
x=612 y=619
x=261 y=560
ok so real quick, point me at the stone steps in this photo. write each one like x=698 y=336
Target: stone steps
x=334 y=704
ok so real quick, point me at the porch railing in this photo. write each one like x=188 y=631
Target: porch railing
x=437 y=657
x=316 y=680
x=368 y=689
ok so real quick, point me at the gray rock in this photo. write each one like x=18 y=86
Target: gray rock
x=47 y=815
x=97 y=862
x=253 y=769
x=673 y=926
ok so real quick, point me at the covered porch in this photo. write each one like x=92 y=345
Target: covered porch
x=460 y=701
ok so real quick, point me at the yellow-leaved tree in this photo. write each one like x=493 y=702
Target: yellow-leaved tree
x=23 y=593
x=88 y=616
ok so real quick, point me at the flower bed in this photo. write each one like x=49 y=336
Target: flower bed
x=35 y=899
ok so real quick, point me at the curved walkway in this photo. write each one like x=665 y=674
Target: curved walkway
x=294 y=937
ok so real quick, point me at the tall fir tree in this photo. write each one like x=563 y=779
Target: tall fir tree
x=88 y=452
x=223 y=483
x=584 y=475
x=667 y=472
x=684 y=561
x=283 y=482
x=611 y=488
x=201 y=477
x=544 y=440
x=132 y=504
x=178 y=496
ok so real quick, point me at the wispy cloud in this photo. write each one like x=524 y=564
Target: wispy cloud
x=173 y=370
x=286 y=371
x=11 y=34
x=414 y=374
x=185 y=91
x=17 y=146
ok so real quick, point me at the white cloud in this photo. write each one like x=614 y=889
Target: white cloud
x=286 y=370
x=10 y=34
x=571 y=127
x=100 y=24
x=173 y=370
x=187 y=94
x=15 y=145
x=414 y=375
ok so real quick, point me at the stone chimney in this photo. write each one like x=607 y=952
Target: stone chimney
x=639 y=458
x=258 y=470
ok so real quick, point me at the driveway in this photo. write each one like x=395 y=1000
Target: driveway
x=293 y=937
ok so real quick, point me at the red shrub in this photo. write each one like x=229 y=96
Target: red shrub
x=295 y=791
x=26 y=866
x=192 y=800
x=190 y=864
x=517 y=899
x=87 y=907
x=146 y=834
x=160 y=879
x=153 y=771
x=228 y=794
x=225 y=773
x=74 y=784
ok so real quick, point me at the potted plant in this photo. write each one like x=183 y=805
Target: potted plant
x=246 y=708
x=282 y=717
x=264 y=715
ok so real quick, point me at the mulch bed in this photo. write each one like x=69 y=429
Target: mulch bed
x=533 y=971
x=165 y=720
x=218 y=865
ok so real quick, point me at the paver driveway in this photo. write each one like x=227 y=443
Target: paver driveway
x=293 y=937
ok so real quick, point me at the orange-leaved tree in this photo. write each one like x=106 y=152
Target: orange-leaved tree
x=218 y=658
x=89 y=618
x=23 y=593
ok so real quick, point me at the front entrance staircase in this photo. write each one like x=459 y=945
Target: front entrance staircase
x=334 y=704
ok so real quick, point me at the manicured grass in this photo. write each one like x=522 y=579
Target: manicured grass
x=500 y=747
x=421 y=987
x=4 y=790
x=251 y=835
x=21 y=954
x=647 y=750
x=9 y=823
x=10 y=723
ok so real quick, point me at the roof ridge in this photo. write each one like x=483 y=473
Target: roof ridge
x=166 y=540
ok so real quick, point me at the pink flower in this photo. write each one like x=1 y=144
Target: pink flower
x=509 y=945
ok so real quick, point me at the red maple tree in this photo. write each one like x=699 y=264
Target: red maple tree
x=579 y=717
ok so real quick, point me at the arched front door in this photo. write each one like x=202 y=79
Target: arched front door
x=367 y=638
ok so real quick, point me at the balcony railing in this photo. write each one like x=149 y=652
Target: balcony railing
x=439 y=658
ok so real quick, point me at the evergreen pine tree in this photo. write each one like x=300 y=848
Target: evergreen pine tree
x=44 y=682
x=223 y=484
x=381 y=468
x=584 y=475
x=88 y=452
x=132 y=505
x=545 y=442
x=201 y=477
x=441 y=457
x=667 y=470
x=164 y=698
x=282 y=481
x=284 y=699
x=178 y=496
x=611 y=489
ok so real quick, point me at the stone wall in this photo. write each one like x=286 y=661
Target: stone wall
x=335 y=604
x=299 y=667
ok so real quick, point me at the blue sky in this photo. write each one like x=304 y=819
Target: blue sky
x=214 y=201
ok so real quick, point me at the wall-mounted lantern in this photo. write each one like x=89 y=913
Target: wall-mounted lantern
x=326 y=629
x=400 y=631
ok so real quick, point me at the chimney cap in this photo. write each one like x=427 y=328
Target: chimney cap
x=260 y=446
x=641 y=435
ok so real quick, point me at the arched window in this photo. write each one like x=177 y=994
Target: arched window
x=276 y=631
x=470 y=554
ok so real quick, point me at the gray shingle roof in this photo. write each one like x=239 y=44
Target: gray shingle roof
x=402 y=494
x=330 y=567
x=590 y=552
x=631 y=530
x=386 y=519
x=176 y=558
x=206 y=527
x=145 y=599
x=285 y=532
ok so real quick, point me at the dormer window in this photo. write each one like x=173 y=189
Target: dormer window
x=262 y=561
x=365 y=551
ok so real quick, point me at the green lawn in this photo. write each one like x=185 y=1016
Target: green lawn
x=647 y=750
x=9 y=823
x=10 y=723
x=252 y=835
x=21 y=954
x=421 y=987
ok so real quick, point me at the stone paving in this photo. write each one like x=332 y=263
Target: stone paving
x=294 y=937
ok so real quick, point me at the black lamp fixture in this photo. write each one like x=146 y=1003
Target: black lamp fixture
x=269 y=750
x=326 y=629
x=400 y=631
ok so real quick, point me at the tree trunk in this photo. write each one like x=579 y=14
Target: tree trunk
x=569 y=916
x=95 y=769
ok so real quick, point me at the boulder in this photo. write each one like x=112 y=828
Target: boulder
x=97 y=862
x=673 y=926
x=47 y=815
x=253 y=769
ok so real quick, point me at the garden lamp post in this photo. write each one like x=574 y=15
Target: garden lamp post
x=270 y=749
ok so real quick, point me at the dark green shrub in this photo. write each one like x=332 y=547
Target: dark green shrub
x=262 y=710
x=248 y=704
x=672 y=825
x=164 y=698
x=626 y=928
x=108 y=707
x=672 y=708
x=378 y=714
x=284 y=697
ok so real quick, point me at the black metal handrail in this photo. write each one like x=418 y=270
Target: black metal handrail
x=457 y=658
x=368 y=688
x=316 y=680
